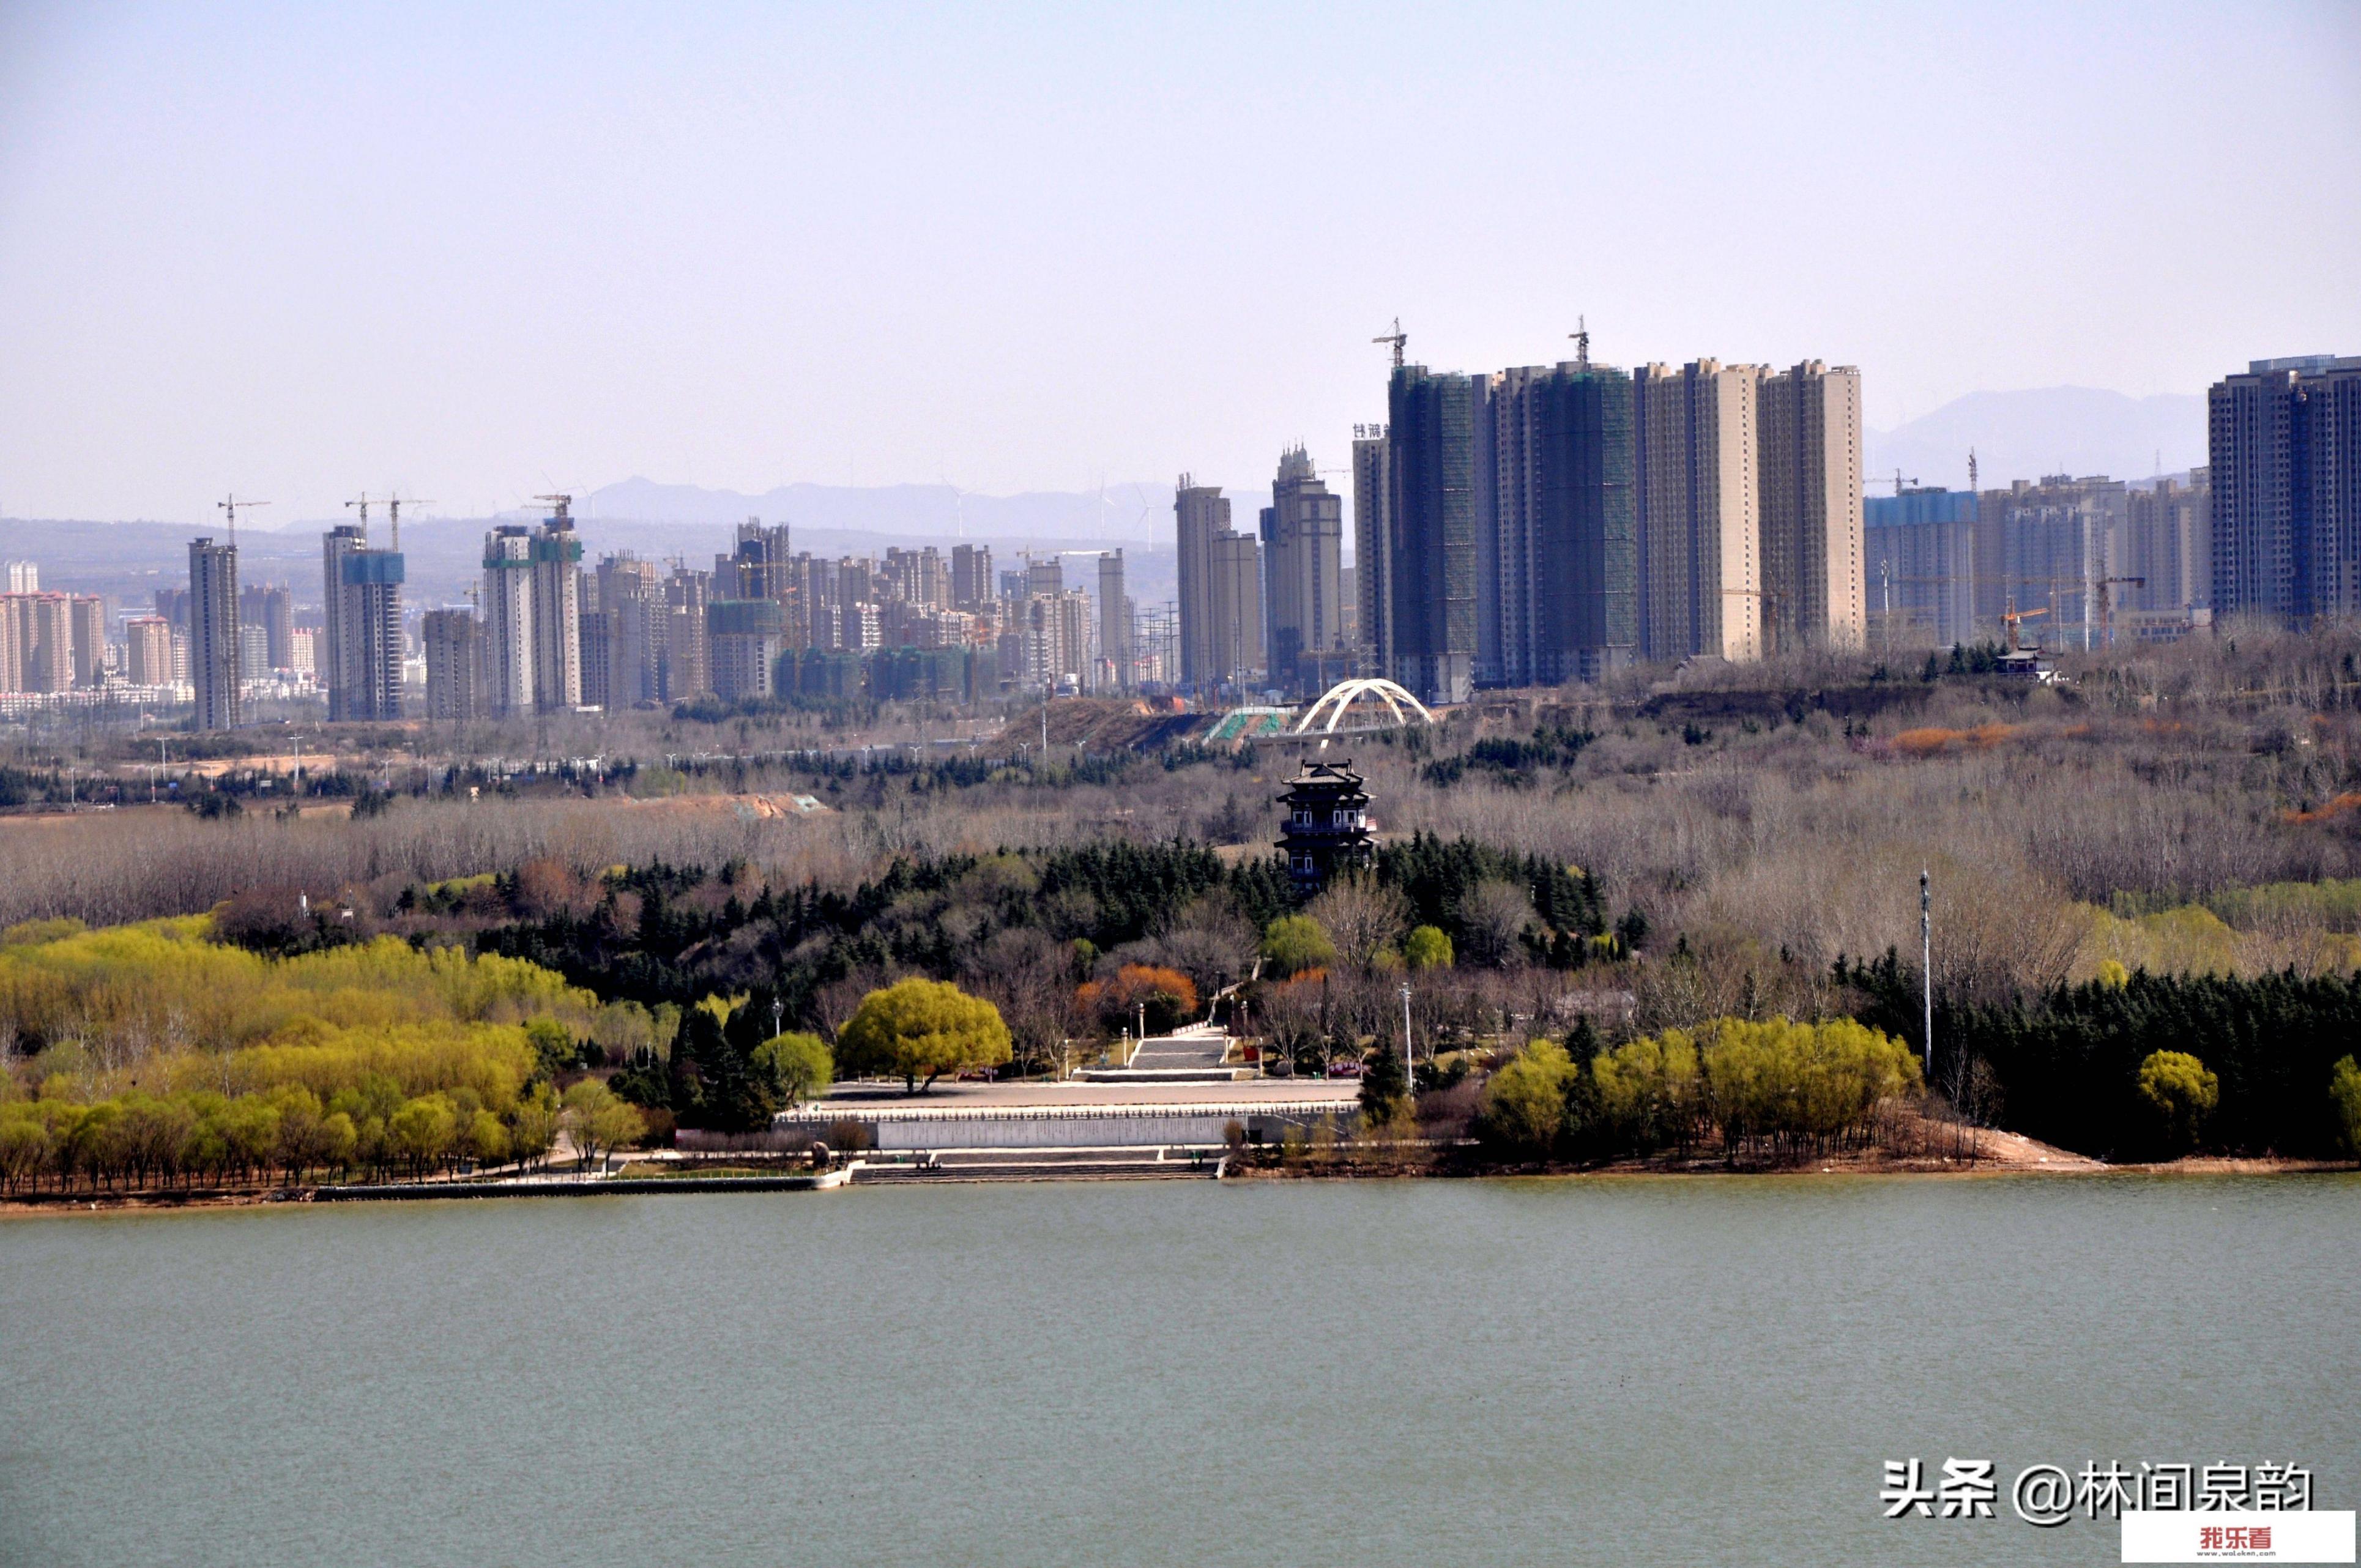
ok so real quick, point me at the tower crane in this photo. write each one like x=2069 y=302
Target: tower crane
x=1396 y=337
x=364 y=504
x=2009 y=618
x=231 y=508
x=1581 y=335
x=393 y=505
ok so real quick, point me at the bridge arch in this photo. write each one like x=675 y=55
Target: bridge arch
x=1344 y=693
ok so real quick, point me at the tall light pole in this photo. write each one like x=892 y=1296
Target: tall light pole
x=1926 y=965
x=1409 y=1066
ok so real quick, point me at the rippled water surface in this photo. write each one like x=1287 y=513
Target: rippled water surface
x=1676 y=1371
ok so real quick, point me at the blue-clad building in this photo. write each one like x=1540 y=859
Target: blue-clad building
x=1919 y=560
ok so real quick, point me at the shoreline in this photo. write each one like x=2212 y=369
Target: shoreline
x=62 y=1204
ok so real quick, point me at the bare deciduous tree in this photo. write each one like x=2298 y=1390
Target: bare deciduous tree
x=1493 y=918
x=1362 y=919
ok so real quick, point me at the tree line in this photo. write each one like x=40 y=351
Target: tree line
x=199 y=1138
x=2065 y=1065
x=156 y=1055
x=1775 y=1089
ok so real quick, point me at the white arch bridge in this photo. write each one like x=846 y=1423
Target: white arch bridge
x=1341 y=696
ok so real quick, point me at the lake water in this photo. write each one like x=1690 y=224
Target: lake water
x=1631 y=1371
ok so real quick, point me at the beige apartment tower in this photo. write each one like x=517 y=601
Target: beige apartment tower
x=1200 y=513
x=1302 y=554
x=1221 y=590
x=1115 y=624
x=1699 y=512
x=1237 y=648
x=1813 y=579
x=148 y=651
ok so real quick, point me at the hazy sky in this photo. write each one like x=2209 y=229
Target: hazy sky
x=479 y=251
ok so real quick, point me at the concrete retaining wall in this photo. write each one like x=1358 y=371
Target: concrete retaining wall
x=1068 y=1127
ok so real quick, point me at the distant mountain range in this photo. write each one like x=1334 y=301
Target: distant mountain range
x=2055 y=430
x=1124 y=513
x=128 y=561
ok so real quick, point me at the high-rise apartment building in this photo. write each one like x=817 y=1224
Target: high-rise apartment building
x=1057 y=639
x=1202 y=514
x=23 y=577
x=687 y=664
x=819 y=623
x=2169 y=543
x=1043 y=575
x=2043 y=547
x=454 y=644
x=1239 y=657
x=214 y=654
x=757 y=568
x=271 y=606
x=52 y=642
x=36 y=642
x=631 y=603
x=919 y=576
x=2285 y=442
x=747 y=636
x=557 y=613
x=279 y=625
x=148 y=651
x=1566 y=582
x=1699 y=511
x=598 y=652
x=972 y=577
x=1431 y=513
x=1811 y=507
x=1919 y=559
x=1303 y=557
x=507 y=630
x=533 y=617
x=1115 y=624
x=15 y=619
x=1372 y=549
x=361 y=647
x=86 y=615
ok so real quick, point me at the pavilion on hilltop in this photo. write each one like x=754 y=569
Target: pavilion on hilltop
x=1327 y=824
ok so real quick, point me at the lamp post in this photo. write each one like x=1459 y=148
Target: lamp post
x=1926 y=965
x=1409 y=1065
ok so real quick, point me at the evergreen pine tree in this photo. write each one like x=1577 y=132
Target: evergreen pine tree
x=1385 y=1087
x=1582 y=1041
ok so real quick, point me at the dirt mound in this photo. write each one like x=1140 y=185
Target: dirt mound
x=1103 y=724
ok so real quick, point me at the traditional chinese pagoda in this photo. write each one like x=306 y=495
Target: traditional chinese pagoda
x=1328 y=826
